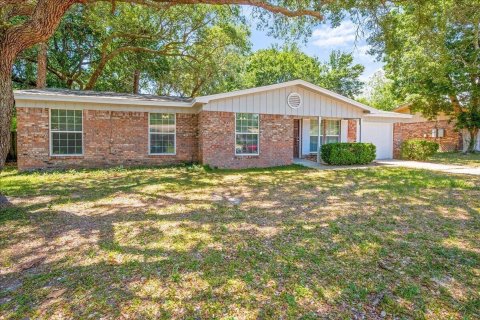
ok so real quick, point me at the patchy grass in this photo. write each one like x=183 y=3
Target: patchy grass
x=457 y=158
x=289 y=242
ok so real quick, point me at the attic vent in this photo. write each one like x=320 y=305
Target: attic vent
x=294 y=100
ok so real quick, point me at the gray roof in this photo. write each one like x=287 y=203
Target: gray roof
x=102 y=94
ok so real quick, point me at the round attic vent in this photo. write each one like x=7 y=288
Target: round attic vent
x=294 y=100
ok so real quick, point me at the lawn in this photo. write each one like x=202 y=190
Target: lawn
x=457 y=158
x=285 y=243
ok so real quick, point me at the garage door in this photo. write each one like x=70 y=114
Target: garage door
x=381 y=135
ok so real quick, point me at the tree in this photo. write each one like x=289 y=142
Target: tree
x=95 y=49
x=42 y=66
x=339 y=74
x=432 y=52
x=218 y=67
x=26 y=23
x=469 y=121
x=277 y=65
x=379 y=93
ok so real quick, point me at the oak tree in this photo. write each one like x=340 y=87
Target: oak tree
x=24 y=23
x=432 y=53
x=134 y=48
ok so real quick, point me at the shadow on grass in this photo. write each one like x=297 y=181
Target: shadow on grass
x=301 y=243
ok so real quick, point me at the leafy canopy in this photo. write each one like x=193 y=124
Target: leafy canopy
x=277 y=65
x=432 y=53
x=380 y=93
x=95 y=48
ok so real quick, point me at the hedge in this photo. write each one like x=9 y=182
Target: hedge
x=417 y=149
x=348 y=153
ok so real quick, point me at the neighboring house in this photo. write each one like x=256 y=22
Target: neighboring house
x=441 y=130
x=258 y=127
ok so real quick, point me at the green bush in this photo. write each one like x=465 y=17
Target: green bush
x=348 y=153
x=416 y=149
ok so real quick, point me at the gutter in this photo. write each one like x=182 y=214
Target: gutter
x=99 y=100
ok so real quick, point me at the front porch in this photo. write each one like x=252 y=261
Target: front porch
x=308 y=135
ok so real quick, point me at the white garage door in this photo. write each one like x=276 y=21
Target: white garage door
x=381 y=135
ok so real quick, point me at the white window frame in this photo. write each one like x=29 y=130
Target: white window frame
x=324 y=136
x=440 y=133
x=174 y=136
x=319 y=134
x=436 y=133
x=339 y=135
x=235 y=136
x=50 y=134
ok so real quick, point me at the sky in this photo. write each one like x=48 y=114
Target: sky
x=324 y=39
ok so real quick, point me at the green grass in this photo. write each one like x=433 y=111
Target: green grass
x=301 y=244
x=457 y=158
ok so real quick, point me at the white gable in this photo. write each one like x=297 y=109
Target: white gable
x=274 y=101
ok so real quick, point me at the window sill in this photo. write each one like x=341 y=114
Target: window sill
x=67 y=156
x=246 y=156
x=157 y=155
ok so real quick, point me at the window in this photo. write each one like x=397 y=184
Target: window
x=314 y=135
x=438 y=133
x=162 y=133
x=329 y=133
x=66 y=132
x=246 y=133
x=332 y=131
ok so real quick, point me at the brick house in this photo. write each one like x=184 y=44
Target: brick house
x=258 y=127
x=441 y=130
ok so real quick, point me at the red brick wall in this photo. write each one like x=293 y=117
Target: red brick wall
x=110 y=138
x=352 y=131
x=217 y=141
x=452 y=140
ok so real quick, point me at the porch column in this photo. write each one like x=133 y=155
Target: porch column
x=319 y=159
x=360 y=124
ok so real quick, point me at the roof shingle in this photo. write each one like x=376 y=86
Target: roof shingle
x=88 y=93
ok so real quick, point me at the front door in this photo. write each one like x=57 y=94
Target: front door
x=296 y=138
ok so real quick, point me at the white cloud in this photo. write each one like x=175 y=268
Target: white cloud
x=344 y=38
x=362 y=51
x=341 y=36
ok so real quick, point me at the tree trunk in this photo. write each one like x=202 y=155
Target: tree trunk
x=6 y=107
x=136 y=81
x=38 y=28
x=473 y=140
x=96 y=74
x=42 y=65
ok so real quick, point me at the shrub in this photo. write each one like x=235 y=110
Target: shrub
x=416 y=149
x=348 y=153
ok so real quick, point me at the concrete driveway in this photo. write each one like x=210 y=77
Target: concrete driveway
x=449 y=168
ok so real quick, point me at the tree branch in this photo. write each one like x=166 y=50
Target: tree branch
x=38 y=28
x=19 y=80
x=164 y=4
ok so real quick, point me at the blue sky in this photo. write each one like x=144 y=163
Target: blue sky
x=324 y=39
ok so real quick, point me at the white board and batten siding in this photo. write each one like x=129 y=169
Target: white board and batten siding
x=275 y=102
